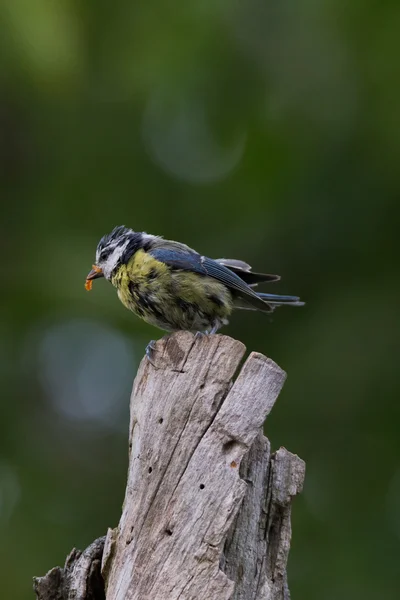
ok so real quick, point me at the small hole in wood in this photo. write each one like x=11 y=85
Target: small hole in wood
x=161 y=420
x=233 y=464
x=202 y=486
x=168 y=531
x=228 y=446
x=150 y=469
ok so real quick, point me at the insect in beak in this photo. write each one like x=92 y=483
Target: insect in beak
x=95 y=273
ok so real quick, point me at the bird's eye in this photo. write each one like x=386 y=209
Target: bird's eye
x=105 y=254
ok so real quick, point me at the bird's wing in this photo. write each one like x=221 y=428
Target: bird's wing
x=244 y=271
x=186 y=259
x=233 y=263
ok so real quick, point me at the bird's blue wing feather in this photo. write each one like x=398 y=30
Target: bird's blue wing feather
x=192 y=261
x=178 y=259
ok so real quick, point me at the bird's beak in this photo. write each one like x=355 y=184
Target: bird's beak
x=95 y=273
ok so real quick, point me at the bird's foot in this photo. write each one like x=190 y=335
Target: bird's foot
x=200 y=334
x=150 y=348
x=207 y=332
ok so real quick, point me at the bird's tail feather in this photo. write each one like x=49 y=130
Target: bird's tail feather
x=277 y=300
x=268 y=302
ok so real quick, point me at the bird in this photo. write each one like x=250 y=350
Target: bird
x=173 y=287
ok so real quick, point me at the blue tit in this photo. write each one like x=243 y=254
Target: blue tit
x=173 y=287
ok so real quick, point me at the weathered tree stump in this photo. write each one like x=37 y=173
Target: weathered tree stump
x=206 y=514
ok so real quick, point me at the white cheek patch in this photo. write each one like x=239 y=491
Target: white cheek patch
x=109 y=265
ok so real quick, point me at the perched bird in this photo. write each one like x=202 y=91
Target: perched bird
x=173 y=287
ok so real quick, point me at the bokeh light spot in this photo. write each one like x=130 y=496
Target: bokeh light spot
x=180 y=139
x=84 y=368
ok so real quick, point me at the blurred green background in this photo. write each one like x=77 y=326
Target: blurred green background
x=258 y=130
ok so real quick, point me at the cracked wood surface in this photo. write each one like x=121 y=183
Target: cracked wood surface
x=257 y=546
x=80 y=579
x=190 y=428
x=206 y=514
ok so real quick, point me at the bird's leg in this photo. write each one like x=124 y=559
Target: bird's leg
x=215 y=327
x=151 y=346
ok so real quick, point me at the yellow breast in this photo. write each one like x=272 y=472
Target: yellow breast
x=171 y=299
x=142 y=274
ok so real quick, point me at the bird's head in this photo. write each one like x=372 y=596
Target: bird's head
x=113 y=250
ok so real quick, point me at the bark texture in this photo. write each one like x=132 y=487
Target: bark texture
x=80 y=579
x=206 y=514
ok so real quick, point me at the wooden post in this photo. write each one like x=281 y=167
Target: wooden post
x=206 y=514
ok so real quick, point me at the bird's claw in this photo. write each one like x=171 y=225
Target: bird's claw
x=150 y=348
x=200 y=334
x=207 y=332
